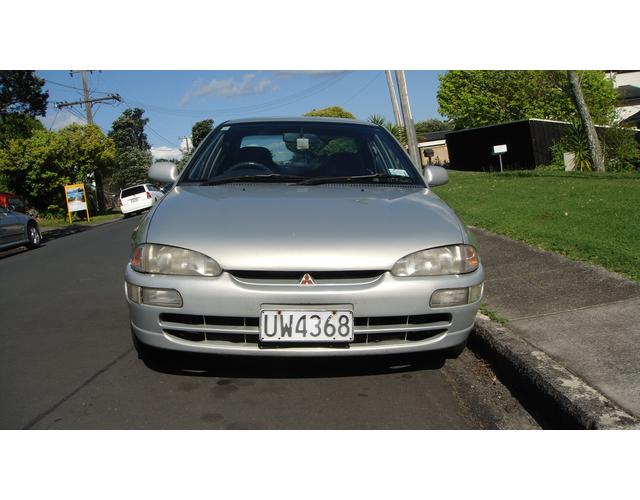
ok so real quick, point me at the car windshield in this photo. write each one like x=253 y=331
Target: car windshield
x=304 y=153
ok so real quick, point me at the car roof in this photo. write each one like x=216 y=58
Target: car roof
x=300 y=119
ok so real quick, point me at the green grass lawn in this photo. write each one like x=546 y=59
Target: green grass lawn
x=64 y=222
x=588 y=217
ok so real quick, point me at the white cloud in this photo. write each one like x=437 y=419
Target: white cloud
x=229 y=88
x=165 y=153
x=57 y=119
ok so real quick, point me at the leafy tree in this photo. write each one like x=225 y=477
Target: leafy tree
x=132 y=151
x=331 y=111
x=88 y=149
x=37 y=167
x=200 y=130
x=21 y=100
x=476 y=98
x=128 y=130
x=432 y=125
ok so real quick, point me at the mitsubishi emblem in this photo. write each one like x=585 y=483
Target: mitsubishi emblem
x=307 y=280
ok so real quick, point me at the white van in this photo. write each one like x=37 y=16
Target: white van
x=137 y=198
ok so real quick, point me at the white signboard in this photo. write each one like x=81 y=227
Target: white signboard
x=499 y=149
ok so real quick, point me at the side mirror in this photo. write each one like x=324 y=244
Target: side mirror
x=436 y=176
x=11 y=208
x=163 y=172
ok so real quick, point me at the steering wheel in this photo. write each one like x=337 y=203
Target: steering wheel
x=248 y=165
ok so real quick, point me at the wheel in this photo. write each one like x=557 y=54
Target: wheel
x=34 y=235
x=455 y=351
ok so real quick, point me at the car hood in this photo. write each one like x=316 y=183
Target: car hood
x=310 y=228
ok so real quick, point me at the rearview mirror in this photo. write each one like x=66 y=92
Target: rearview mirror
x=163 y=172
x=436 y=176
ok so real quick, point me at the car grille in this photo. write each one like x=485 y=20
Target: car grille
x=319 y=277
x=232 y=330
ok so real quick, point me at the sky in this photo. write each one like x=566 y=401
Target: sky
x=174 y=100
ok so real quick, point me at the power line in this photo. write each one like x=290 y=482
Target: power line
x=273 y=104
x=161 y=136
x=366 y=85
x=74 y=88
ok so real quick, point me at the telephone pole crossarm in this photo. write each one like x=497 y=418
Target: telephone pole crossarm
x=112 y=97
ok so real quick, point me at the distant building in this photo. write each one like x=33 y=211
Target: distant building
x=528 y=144
x=434 y=151
x=627 y=84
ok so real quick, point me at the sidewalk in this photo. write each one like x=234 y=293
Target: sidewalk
x=584 y=317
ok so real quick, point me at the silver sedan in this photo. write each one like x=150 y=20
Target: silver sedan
x=17 y=229
x=301 y=237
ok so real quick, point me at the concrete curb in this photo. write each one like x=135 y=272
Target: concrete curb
x=573 y=399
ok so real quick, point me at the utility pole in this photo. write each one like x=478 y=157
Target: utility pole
x=410 y=129
x=85 y=86
x=97 y=175
x=187 y=143
x=592 y=137
x=394 y=99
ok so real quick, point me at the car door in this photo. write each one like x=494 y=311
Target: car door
x=11 y=229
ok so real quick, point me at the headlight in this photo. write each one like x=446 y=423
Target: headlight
x=163 y=259
x=453 y=259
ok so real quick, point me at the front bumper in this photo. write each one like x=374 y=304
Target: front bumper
x=392 y=314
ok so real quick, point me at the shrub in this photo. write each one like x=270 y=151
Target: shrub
x=621 y=150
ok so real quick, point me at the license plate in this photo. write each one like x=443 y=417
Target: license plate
x=132 y=200
x=293 y=325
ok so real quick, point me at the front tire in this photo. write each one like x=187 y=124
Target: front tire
x=33 y=235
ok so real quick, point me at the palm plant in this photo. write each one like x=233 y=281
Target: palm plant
x=577 y=142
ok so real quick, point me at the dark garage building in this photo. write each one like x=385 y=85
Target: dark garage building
x=528 y=145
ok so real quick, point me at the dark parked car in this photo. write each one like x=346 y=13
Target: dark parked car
x=18 y=229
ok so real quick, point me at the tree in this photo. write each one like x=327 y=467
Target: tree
x=431 y=125
x=200 y=130
x=331 y=111
x=395 y=130
x=37 y=167
x=132 y=151
x=477 y=98
x=89 y=150
x=128 y=130
x=21 y=100
x=377 y=120
x=595 y=149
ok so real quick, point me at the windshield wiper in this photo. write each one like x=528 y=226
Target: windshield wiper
x=254 y=178
x=312 y=181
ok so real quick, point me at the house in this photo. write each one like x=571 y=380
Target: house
x=434 y=151
x=627 y=84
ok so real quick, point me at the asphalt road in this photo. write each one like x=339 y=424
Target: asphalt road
x=66 y=362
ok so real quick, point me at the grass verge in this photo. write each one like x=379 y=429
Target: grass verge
x=64 y=222
x=588 y=217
